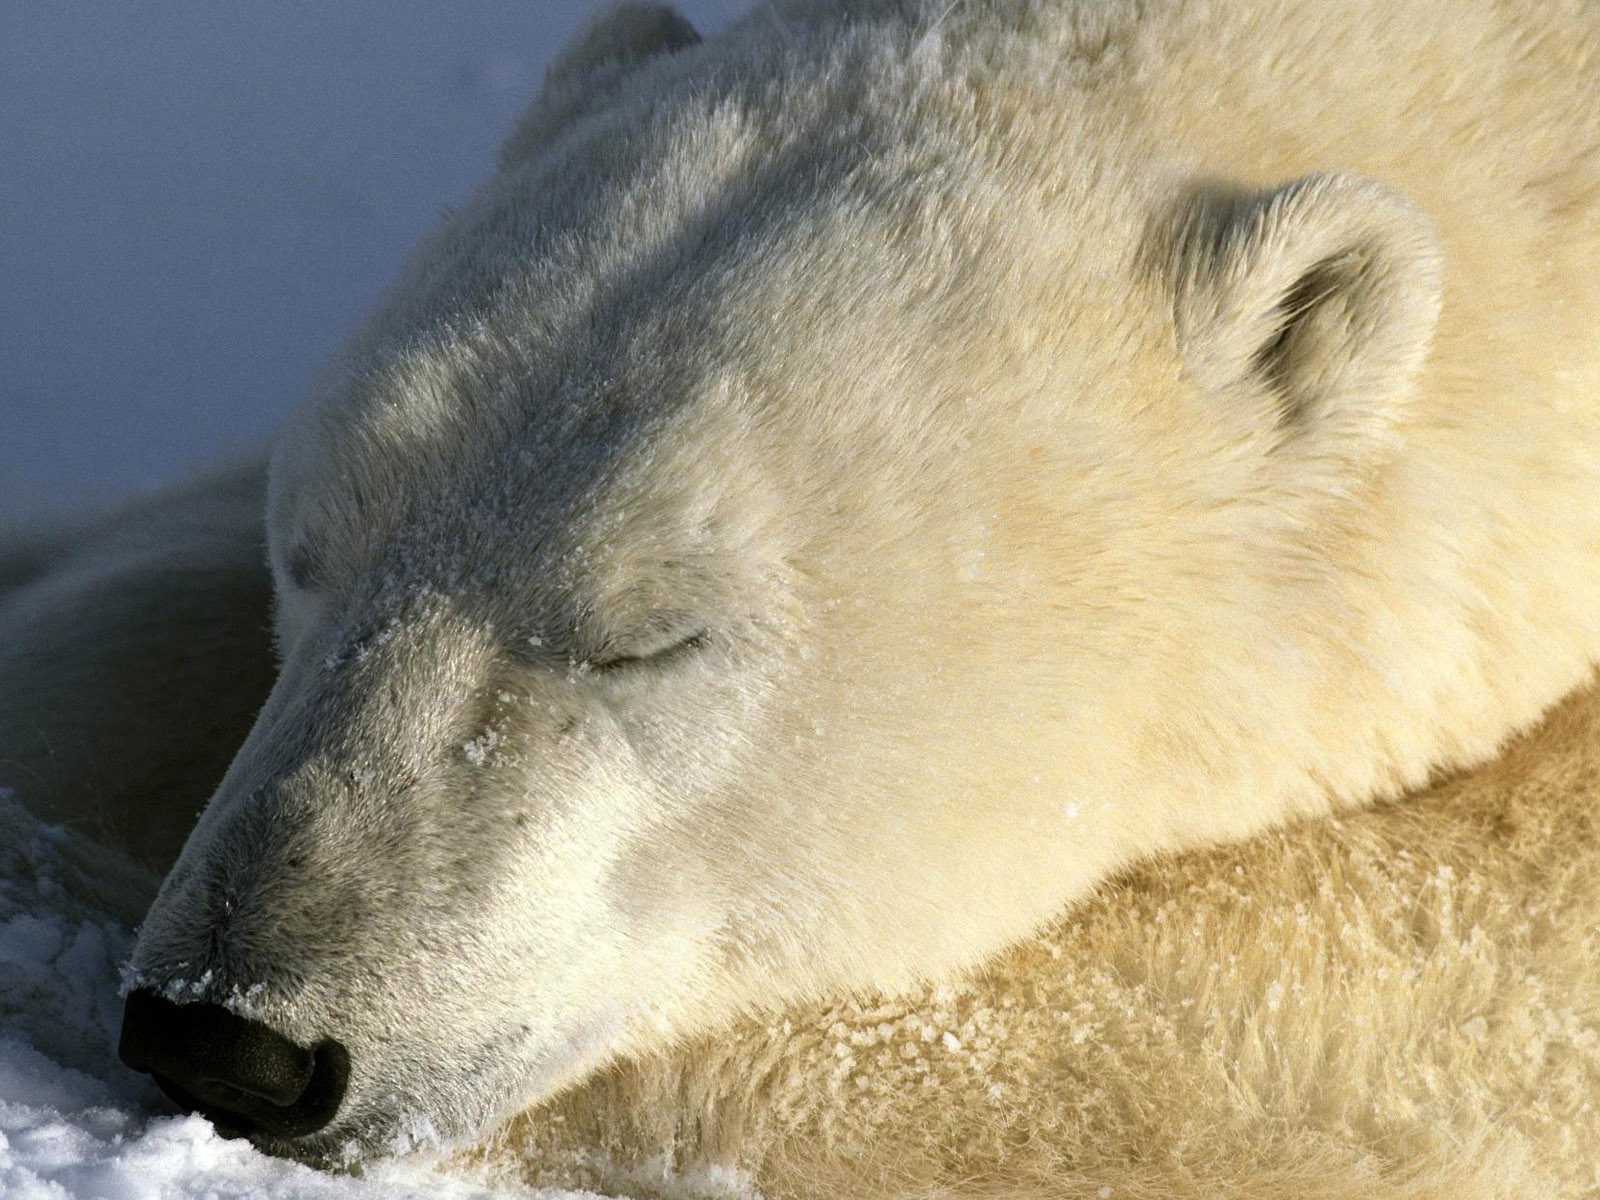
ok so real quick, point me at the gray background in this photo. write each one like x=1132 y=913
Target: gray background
x=198 y=199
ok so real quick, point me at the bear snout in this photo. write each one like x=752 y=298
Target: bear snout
x=242 y=1075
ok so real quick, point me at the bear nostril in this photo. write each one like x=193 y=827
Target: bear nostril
x=245 y=1076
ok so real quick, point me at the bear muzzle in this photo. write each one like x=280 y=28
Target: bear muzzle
x=242 y=1075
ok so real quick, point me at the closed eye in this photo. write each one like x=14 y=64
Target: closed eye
x=629 y=659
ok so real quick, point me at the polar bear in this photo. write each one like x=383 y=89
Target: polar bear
x=845 y=489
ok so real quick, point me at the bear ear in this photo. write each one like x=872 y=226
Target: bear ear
x=1312 y=305
x=590 y=70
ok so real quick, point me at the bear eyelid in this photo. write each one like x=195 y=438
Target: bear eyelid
x=609 y=662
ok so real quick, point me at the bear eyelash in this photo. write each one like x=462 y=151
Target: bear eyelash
x=665 y=656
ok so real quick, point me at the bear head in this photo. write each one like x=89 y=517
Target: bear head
x=774 y=539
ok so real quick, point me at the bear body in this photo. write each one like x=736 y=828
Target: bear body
x=134 y=661
x=1400 y=1004
x=845 y=489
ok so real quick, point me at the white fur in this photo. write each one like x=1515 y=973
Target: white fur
x=1399 y=1004
x=846 y=488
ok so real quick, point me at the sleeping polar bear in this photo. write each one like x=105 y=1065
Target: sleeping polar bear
x=839 y=493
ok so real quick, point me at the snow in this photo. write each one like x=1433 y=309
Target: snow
x=74 y=1123
x=199 y=199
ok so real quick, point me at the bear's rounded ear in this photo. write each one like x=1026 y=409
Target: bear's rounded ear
x=1312 y=305
x=590 y=70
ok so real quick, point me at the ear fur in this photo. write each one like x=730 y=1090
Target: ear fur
x=1311 y=306
x=591 y=68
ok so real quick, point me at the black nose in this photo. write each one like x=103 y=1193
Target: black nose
x=245 y=1077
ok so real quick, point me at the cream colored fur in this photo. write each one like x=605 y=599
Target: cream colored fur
x=846 y=489
x=1400 y=1003
x=1403 y=1002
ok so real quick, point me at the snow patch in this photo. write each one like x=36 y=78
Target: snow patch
x=73 y=1121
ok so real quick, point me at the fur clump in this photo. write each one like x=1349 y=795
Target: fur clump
x=1402 y=1003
